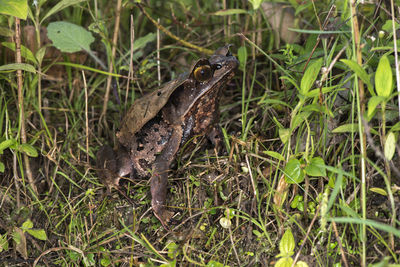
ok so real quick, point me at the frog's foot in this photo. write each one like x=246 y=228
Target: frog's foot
x=163 y=215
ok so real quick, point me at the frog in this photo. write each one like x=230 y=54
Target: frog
x=160 y=125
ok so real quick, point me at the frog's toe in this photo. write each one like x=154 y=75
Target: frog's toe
x=163 y=215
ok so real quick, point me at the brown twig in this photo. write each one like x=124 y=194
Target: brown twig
x=340 y=244
x=113 y=52
x=173 y=36
x=130 y=73
x=18 y=59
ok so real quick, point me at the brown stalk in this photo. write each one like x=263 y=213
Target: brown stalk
x=173 y=36
x=18 y=59
x=113 y=52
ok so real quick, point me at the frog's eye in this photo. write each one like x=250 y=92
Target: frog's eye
x=203 y=73
x=218 y=66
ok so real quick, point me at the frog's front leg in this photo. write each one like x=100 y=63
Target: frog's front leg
x=159 y=179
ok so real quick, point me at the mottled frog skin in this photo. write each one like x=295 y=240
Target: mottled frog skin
x=159 y=124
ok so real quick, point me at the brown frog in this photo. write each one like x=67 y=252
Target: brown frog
x=159 y=124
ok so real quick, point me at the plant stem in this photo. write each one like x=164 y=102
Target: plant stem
x=21 y=102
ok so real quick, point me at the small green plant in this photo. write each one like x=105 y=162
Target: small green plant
x=286 y=249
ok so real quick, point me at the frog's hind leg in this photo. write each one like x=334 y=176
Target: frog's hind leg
x=159 y=179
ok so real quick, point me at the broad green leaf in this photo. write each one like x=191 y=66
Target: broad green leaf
x=69 y=37
x=361 y=73
x=384 y=78
x=172 y=249
x=15 y=8
x=37 y=233
x=60 y=6
x=41 y=53
x=2 y=167
x=316 y=167
x=390 y=146
x=6 y=144
x=284 y=262
x=144 y=40
x=227 y=12
x=28 y=224
x=378 y=190
x=388 y=26
x=17 y=66
x=310 y=76
x=275 y=155
x=25 y=52
x=286 y=245
x=373 y=102
x=3 y=242
x=300 y=118
x=29 y=150
x=6 y=32
x=294 y=174
x=242 y=56
x=256 y=4
x=284 y=135
x=346 y=128
x=301 y=264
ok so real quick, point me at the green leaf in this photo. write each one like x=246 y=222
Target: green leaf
x=361 y=73
x=286 y=245
x=301 y=264
x=172 y=249
x=284 y=262
x=69 y=37
x=3 y=242
x=242 y=56
x=346 y=128
x=28 y=224
x=17 y=66
x=60 y=6
x=373 y=102
x=316 y=92
x=378 y=190
x=294 y=174
x=6 y=144
x=284 y=135
x=227 y=12
x=384 y=78
x=169 y=264
x=396 y=127
x=310 y=76
x=28 y=149
x=275 y=155
x=388 y=26
x=2 y=167
x=316 y=167
x=15 y=8
x=6 y=32
x=38 y=233
x=25 y=52
x=214 y=264
x=144 y=40
x=256 y=4
x=390 y=146
x=301 y=117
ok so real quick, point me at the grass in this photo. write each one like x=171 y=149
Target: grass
x=308 y=172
